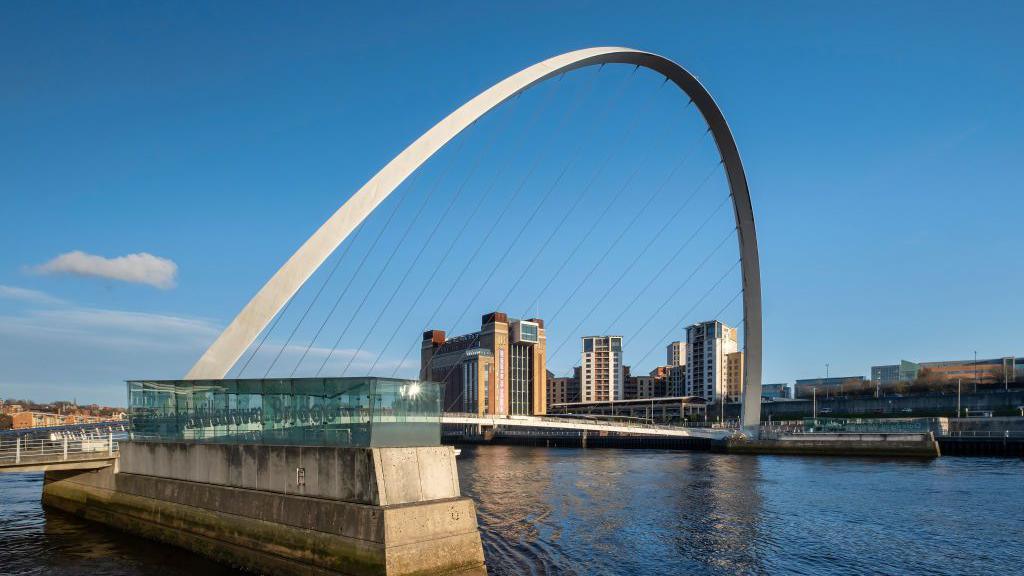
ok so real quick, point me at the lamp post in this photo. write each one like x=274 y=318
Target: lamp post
x=957 y=397
x=814 y=402
x=975 y=371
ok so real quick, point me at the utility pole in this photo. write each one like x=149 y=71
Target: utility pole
x=975 y=371
x=826 y=379
x=957 y=397
x=814 y=402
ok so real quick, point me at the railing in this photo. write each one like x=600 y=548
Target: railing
x=983 y=434
x=71 y=431
x=38 y=451
x=600 y=422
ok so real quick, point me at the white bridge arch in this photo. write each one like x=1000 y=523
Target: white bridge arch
x=243 y=330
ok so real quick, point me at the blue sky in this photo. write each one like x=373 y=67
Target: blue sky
x=881 y=142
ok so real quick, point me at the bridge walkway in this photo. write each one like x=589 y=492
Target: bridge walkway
x=616 y=427
x=42 y=455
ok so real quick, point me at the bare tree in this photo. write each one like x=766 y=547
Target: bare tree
x=931 y=380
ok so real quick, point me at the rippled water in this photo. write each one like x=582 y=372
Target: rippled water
x=628 y=512
x=571 y=511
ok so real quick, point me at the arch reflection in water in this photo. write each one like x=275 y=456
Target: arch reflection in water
x=569 y=510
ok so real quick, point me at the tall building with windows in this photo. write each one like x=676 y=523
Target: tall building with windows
x=563 y=390
x=675 y=369
x=675 y=354
x=601 y=373
x=660 y=378
x=734 y=376
x=649 y=387
x=707 y=346
x=500 y=369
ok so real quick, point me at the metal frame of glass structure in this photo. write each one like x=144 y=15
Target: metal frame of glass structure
x=357 y=412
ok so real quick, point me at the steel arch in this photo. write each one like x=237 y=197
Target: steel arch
x=243 y=330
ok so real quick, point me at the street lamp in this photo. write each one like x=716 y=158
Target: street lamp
x=957 y=397
x=975 y=371
x=814 y=402
x=826 y=379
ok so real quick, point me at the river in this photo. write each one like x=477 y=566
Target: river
x=629 y=512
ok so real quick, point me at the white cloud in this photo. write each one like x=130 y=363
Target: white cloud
x=88 y=353
x=111 y=328
x=141 y=268
x=66 y=351
x=27 y=295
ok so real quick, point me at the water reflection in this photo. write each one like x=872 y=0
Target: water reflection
x=38 y=541
x=574 y=511
x=632 y=512
x=717 y=513
x=558 y=511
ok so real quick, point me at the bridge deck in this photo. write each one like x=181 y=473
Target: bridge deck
x=36 y=455
x=570 y=424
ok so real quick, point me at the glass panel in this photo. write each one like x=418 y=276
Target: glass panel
x=300 y=411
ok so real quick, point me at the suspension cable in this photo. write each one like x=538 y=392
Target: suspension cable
x=668 y=263
x=312 y=302
x=465 y=225
x=668 y=221
x=266 y=334
x=604 y=212
x=597 y=263
x=398 y=245
x=423 y=247
x=567 y=113
x=380 y=233
x=522 y=230
x=681 y=286
x=675 y=325
x=650 y=242
x=635 y=121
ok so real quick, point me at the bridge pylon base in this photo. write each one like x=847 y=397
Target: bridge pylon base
x=287 y=509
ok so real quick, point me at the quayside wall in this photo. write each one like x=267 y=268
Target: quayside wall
x=845 y=444
x=287 y=509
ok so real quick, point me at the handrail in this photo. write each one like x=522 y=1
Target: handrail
x=984 y=434
x=70 y=430
x=37 y=451
x=729 y=425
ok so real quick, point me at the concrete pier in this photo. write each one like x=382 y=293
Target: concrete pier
x=840 y=444
x=287 y=509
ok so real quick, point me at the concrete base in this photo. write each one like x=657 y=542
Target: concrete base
x=889 y=445
x=276 y=530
